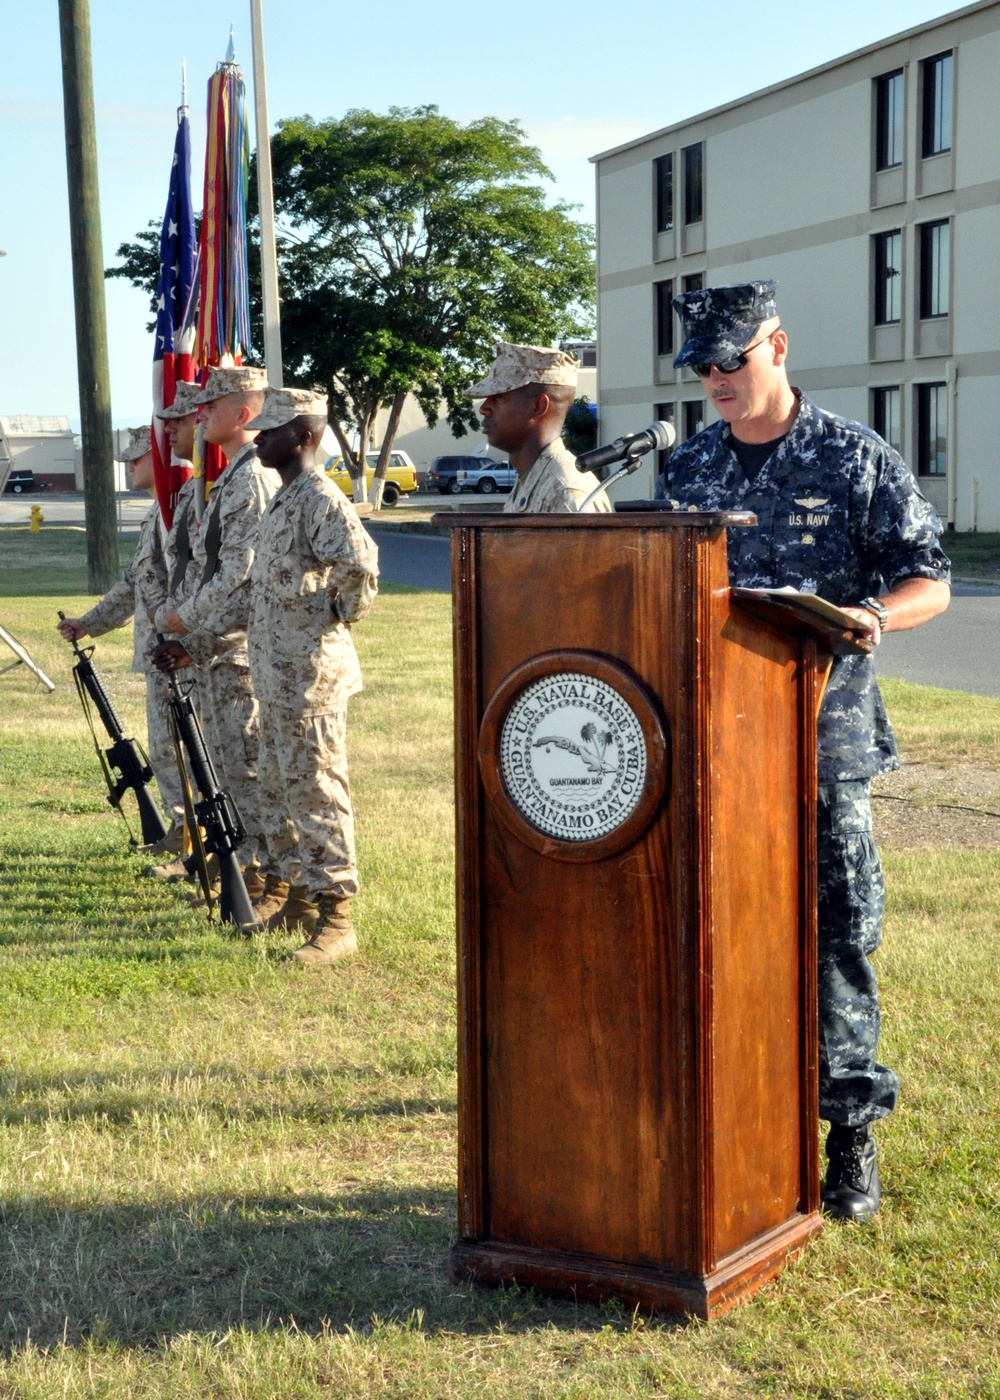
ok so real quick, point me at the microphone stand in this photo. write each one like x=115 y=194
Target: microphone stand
x=630 y=465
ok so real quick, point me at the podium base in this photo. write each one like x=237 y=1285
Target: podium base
x=639 y=1285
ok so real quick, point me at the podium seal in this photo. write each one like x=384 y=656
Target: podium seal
x=573 y=755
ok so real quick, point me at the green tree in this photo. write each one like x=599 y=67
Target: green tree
x=412 y=244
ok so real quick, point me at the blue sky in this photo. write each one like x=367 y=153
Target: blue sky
x=580 y=78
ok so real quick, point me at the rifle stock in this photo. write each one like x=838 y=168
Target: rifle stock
x=124 y=755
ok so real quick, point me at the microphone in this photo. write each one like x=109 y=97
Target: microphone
x=628 y=448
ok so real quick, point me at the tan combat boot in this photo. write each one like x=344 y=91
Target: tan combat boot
x=274 y=895
x=333 y=937
x=180 y=872
x=253 y=878
x=298 y=911
x=172 y=844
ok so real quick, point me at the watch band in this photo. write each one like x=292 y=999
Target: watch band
x=876 y=606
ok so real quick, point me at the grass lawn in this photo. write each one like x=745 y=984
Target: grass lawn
x=974 y=555
x=221 y=1175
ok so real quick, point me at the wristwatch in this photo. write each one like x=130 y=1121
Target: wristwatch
x=876 y=606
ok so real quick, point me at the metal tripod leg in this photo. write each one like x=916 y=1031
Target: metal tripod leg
x=23 y=659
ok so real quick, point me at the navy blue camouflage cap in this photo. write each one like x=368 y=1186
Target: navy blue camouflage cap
x=720 y=322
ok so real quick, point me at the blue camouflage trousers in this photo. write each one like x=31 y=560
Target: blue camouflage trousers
x=853 y=1087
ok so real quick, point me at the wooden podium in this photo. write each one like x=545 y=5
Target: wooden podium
x=636 y=789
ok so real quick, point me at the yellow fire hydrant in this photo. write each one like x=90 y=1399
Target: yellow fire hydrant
x=36 y=519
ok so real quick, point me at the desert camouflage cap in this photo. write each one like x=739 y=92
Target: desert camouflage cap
x=140 y=442
x=282 y=405
x=185 y=400
x=517 y=365
x=720 y=322
x=232 y=379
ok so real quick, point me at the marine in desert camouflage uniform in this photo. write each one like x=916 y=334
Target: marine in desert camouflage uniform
x=126 y=601
x=526 y=397
x=314 y=575
x=838 y=514
x=211 y=617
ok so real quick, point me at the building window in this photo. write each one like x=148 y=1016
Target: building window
x=694 y=417
x=935 y=265
x=889 y=120
x=693 y=176
x=694 y=282
x=664 y=413
x=886 y=405
x=888 y=277
x=664 y=292
x=664 y=174
x=938 y=76
x=932 y=429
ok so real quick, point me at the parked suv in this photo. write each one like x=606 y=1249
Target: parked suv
x=400 y=476
x=444 y=474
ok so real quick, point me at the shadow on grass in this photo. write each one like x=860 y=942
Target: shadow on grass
x=136 y=1275
x=217 y=1091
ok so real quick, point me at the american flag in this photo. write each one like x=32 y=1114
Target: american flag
x=174 y=336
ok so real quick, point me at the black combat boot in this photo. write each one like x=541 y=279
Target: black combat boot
x=852 y=1190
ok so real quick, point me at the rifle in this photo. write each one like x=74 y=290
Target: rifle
x=216 y=812
x=125 y=754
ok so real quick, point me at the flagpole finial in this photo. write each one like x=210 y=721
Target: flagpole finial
x=231 y=50
x=184 y=90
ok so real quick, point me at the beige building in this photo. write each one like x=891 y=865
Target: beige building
x=43 y=445
x=870 y=189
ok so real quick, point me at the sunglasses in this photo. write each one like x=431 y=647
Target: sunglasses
x=736 y=362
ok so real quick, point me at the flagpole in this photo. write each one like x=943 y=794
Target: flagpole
x=265 y=198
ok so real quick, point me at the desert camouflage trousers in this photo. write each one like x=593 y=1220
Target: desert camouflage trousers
x=160 y=745
x=231 y=720
x=305 y=801
x=853 y=1087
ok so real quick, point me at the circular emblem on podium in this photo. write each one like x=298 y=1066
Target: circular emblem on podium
x=573 y=755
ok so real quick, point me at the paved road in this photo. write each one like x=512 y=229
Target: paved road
x=422 y=561
x=959 y=650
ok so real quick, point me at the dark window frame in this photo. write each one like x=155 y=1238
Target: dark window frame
x=881 y=418
x=890 y=119
x=663 y=303
x=693 y=157
x=937 y=88
x=690 y=405
x=667 y=413
x=888 y=277
x=663 y=177
x=694 y=282
x=932 y=398
x=935 y=270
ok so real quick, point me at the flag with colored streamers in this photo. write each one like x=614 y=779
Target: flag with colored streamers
x=223 y=335
x=174 y=341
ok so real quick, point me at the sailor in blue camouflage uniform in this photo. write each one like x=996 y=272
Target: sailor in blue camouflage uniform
x=838 y=514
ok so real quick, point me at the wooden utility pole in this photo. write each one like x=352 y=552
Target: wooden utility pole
x=103 y=567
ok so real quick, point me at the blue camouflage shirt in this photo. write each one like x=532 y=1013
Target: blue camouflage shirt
x=838 y=514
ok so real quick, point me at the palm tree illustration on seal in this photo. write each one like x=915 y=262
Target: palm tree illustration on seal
x=595 y=746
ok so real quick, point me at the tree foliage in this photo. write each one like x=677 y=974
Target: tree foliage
x=411 y=245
